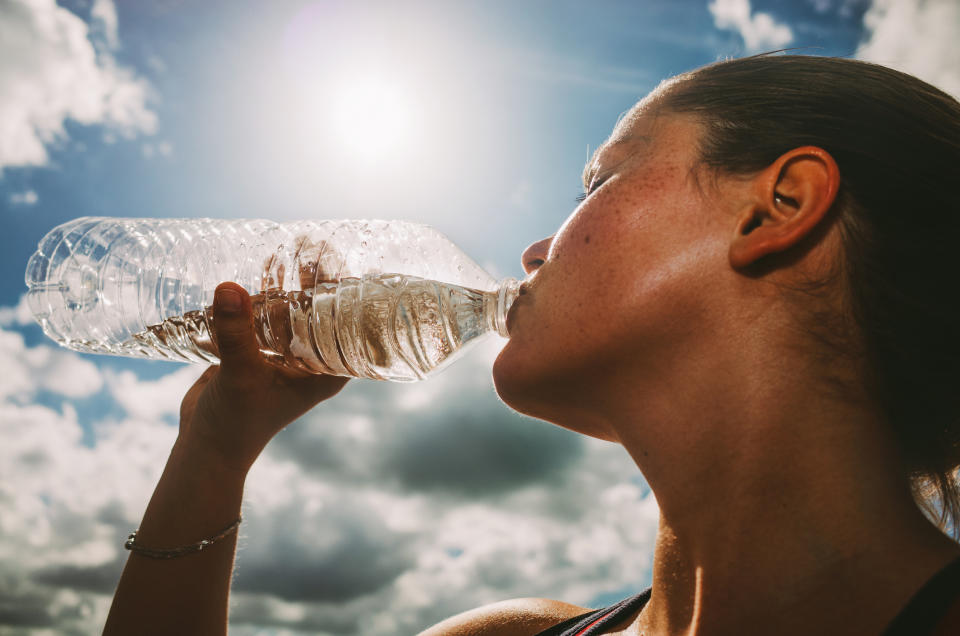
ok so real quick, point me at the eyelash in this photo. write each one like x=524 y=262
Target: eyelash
x=580 y=198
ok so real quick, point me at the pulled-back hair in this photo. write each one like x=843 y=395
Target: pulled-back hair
x=896 y=141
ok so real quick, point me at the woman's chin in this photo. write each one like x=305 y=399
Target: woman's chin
x=519 y=383
x=506 y=380
x=543 y=394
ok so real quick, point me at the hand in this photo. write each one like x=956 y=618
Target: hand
x=234 y=409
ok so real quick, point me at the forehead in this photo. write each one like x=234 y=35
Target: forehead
x=634 y=132
x=638 y=133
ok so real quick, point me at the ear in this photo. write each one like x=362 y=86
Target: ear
x=786 y=202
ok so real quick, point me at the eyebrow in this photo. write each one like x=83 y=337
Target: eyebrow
x=589 y=171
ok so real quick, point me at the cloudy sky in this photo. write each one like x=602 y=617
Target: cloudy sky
x=393 y=506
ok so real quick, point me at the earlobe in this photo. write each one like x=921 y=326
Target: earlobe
x=787 y=201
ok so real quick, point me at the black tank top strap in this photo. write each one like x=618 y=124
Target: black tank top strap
x=593 y=622
x=919 y=616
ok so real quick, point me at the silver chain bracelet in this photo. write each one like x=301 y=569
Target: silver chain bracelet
x=172 y=553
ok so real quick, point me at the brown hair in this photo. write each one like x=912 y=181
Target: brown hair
x=896 y=140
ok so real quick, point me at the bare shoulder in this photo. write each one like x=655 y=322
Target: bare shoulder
x=516 y=617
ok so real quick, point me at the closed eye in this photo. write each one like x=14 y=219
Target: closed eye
x=594 y=186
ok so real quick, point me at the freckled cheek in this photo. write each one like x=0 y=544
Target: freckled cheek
x=660 y=179
x=599 y=228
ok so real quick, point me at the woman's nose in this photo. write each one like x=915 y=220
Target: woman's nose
x=534 y=256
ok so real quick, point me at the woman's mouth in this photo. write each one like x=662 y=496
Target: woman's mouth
x=511 y=314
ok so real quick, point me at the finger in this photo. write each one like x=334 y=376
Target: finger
x=329 y=262
x=207 y=375
x=266 y=281
x=233 y=327
x=317 y=263
x=306 y=262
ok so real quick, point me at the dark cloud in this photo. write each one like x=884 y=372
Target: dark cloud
x=24 y=612
x=464 y=442
x=258 y=612
x=27 y=608
x=477 y=452
x=342 y=552
x=382 y=512
x=355 y=569
x=100 y=578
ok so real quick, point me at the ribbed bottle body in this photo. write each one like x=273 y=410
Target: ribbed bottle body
x=328 y=296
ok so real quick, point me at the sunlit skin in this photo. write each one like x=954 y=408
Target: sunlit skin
x=639 y=325
x=621 y=286
x=644 y=321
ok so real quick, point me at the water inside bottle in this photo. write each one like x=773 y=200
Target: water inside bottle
x=387 y=327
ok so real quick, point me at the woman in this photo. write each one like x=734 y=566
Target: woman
x=751 y=300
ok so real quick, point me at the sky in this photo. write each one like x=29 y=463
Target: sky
x=394 y=505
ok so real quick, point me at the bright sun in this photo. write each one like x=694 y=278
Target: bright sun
x=373 y=118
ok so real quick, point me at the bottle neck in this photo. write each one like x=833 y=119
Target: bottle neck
x=498 y=304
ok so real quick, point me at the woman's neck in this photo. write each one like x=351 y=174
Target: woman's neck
x=781 y=510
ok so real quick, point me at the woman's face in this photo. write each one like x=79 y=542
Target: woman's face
x=614 y=294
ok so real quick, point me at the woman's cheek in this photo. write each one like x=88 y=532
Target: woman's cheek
x=574 y=241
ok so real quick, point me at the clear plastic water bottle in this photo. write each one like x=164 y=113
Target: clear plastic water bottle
x=387 y=300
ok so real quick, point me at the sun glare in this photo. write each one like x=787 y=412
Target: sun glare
x=372 y=118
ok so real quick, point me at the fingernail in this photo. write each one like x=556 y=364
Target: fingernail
x=228 y=300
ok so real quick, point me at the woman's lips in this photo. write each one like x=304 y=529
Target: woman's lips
x=511 y=314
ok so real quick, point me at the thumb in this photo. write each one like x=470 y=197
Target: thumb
x=233 y=326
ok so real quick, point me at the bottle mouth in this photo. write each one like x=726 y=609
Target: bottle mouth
x=507 y=293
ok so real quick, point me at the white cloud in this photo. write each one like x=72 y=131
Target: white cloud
x=64 y=505
x=104 y=15
x=27 y=197
x=759 y=30
x=916 y=37
x=588 y=533
x=353 y=523
x=843 y=8
x=51 y=71
x=152 y=399
x=29 y=369
x=17 y=315
x=470 y=503
x=64 y=510
x=62 y=372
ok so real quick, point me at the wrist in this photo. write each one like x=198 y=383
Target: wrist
x=197 y=496
x=192 y=456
